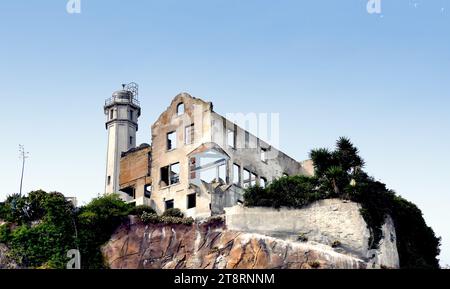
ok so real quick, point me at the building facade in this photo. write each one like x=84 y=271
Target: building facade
x=199 y=162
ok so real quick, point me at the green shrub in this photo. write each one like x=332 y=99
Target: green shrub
x=4 y=233
x=256 y=196
x=150 y=218
x=188 y=221
x=3 y=211
x=139 y=210
x=292 y=191
x=302 y=237
x=215 y=220
x=97 y=221
x=60 y=228
x=173 y=213
x=33 y=246
x=14 y=209
x=177 y=220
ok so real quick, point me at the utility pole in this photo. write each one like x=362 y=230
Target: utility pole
x=23 y=156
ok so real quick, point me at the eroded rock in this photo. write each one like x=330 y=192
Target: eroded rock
x=211 y=246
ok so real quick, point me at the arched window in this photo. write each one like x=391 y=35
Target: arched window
x=180 y=109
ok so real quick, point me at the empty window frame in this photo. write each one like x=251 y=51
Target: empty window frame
x=131 y=115
x=212 y=173
x=171 y=140
x=231 y=138
x=111 y=114
x=175 y=174
x=246 y=178
x=264 y=155
x=222 y=173
x=130 y=191
x=263 y=182
x=170 y=175
x=169 y=204
x=208 y=175
x=180 y=109
x=189 y=133
x=247 y=140
x=209 y=166
x=131 y=140
x=148 y=191
x=253 y=181
x=236 y=174
x=191 y=201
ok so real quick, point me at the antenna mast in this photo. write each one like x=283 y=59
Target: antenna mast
x=23 y=156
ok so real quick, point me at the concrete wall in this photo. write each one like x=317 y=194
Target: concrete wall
x=326 y=222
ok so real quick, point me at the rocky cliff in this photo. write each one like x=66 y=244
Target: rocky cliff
x=210 y=245
x=326 y=234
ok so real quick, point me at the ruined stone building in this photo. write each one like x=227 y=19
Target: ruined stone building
x=198 y=161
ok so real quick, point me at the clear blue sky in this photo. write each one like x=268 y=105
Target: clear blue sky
x=328 y=67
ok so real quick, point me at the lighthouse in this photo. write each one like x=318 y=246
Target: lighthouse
x=122 y=111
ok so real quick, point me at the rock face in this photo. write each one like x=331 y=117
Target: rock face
x=331 y=222
x=210 y=245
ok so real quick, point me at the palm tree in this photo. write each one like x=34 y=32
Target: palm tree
x=336 y=175
x=337 y=168
x=322 y=160
x=347 y=155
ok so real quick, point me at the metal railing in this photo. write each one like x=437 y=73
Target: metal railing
x=115 y=99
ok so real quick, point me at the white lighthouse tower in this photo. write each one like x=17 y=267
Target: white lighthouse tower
x=122 y=111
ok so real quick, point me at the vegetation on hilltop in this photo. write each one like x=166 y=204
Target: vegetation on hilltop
x=42 y=227
x=339 y=174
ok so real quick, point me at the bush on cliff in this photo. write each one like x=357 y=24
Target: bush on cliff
x=48 y=226
x=171 y=218
x=139 y=210
x=293 y=191
x=42 y=227
x=97 y=221
x=173 y=213
x=339 y=174
x=45 y=228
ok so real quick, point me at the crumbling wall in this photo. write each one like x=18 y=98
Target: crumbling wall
x=196 y=112
x=246 y=152
x=135 y=173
